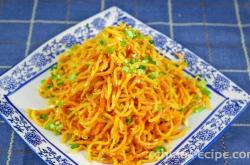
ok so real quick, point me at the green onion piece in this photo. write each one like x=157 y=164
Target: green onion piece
x=60 y=83
x=50 y=125
x=206 y=91
x=87 y=26
x=181 y=109
x=87 y=65
x=43 y=81
x=110 y=50
x=160 y=149
x=126 y=69
x=151 y=41
x=152 y=155
x=196 y=97
x=72 y=77
x=74 y=145
x=130 y=33
x=142 y=69
x=202 y=83
x=60 y=103
x=74 y=47
x=134 y=60
x=128 y=121
x=162 y=73
x=44 y=116
x=153 y=75
x=54 y=67
x=199 y=109
x=102 y=42
x=159 y=107
x=149 y=59
x=49 y=86
x=123 y=43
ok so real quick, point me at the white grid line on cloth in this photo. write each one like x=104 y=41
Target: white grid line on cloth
x=240 y=125
x=102 y=5
x=1 y=121
x=170 y=19
x=13 y=21
x=208 y=44
x=234 y=70
x=56 y=22
x=242 y=36
x=5 y=67
x=31 y=27
x=149 y=23
x=12 y=136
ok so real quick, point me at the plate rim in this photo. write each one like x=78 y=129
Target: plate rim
x=114 y=9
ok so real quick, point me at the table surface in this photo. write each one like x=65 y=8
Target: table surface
x=218 y=31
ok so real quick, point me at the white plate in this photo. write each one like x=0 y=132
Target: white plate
x=19 y=91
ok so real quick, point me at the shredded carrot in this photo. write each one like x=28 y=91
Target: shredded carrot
x=115 y=96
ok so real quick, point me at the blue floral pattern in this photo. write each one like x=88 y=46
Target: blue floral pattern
x=5 y=109
x=232 y=109
x=33 y=138
x=42 y=58
x=160 y=41
x=129 y=21
x=69 y=40
x=205 y=134
x=39 y=60
x=8 y=83
x=99 y=23
x=220 y=83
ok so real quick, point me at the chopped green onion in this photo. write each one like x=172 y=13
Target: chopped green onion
x=151 y=41
x=44 y=116
x=43 y=81
x=202 y=83
x=74 y=47
x=60 y=83
x=152 y=155
x=130 y=33
x=196 y=97
x=110 y=50
x=50 y=125
x=149 y=59
x=49 y=86
x=126 y=69
x=128 y=121
x=123 y=43
x=134 y=60
x=153 y=75
x=206 y=91
x=160 y=149
x=74 y=145
x=87 y=65
x=142 y=69
x=102 y=42
x=87 y=26
x=199 y=109
x=72 y=77
x=159 y=107
x=181 y=109
x=54 y=67
x=60 y=103
x=162 y=73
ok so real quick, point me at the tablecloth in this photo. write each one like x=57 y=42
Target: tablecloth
x=218 y=31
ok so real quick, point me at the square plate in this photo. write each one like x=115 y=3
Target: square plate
x=19 y=91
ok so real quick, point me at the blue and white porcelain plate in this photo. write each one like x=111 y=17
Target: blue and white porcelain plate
x=19 y=91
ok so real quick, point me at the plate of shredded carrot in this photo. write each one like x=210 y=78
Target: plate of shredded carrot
x=116 y=94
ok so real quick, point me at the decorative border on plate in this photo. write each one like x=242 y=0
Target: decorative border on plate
x=45 y=56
